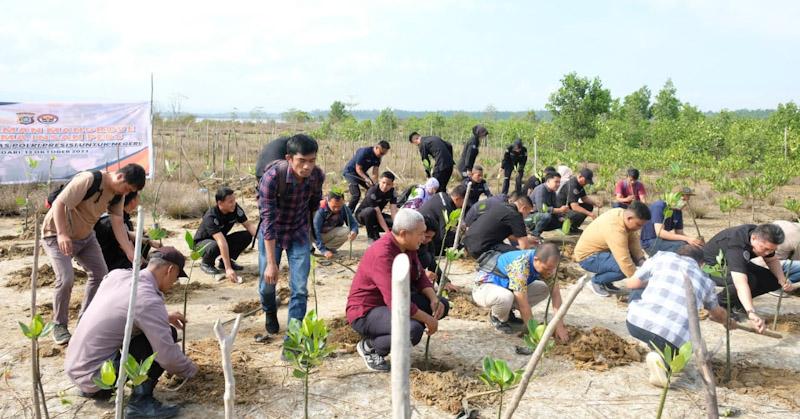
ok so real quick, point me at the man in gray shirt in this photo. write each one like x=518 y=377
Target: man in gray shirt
x=101 y=330
x=548 y=216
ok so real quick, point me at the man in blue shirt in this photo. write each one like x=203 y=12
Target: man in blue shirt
x=513 y=284
x=355 y=172
x=668 y=230
x=334 y=224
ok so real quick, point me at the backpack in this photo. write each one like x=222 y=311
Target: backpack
x=97 y=181
x=406 y=195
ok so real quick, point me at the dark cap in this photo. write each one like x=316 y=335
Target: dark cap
x=172 y=255
x=588 y=174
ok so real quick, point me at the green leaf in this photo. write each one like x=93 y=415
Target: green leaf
x=47 y=328
x=37 y=325
x=189 y=240
x=147 y=363
x=298 y=373
x=566 y=226
x=100 y=384
x=156 y=233
x=108 y=376
x=21 y=202
x=25 y=330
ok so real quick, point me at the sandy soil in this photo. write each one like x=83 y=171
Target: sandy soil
x=583 y=379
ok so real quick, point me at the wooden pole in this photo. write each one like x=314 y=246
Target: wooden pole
x=537 y=354
x=34 y=342
x=401 y=344
x=768 y=333
x=226 y=347
x=700 y=352
x=126 y=340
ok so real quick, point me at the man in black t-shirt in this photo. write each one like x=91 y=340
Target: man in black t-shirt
x=370 y=213
x=113 y=254
x=739 y=245
x=355 y=172
x=213 y=233
x=501 y=222
x=484 y=205
x=479 y=186
x=574 y=196
x=437 y=206
x=442 y=153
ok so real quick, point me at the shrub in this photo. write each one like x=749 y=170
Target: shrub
x=183 y=201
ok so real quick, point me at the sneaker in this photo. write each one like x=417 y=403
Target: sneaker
x=575 y=230
x=613 y=289
x=61 y=335
x=373 y=361
x=658 y=377
x=234 y=265
x=209 y=269
x=513 y=319
x=271 y=323
x=500 y=326
x=600 y=289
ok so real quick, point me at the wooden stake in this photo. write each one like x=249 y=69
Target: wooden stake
x=34 y=342
x=701 y=354
x=226 y=347
x=401 y=344
x=537 y=354
x=768 y=333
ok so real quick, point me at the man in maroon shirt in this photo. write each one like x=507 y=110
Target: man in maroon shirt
x=370 y=300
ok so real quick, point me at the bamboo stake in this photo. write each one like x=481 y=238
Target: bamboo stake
x=537 y=354
x=126 y=340
x=35 y=342
x=226 y=347
x=701 y=354
x=401 y=345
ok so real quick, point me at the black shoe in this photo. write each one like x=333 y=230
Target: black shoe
x=575 y=230
x=271 y=323
x=600 y=289
x=142 y=404
x=234 y=265
x=209 y=269
x=500 y=326
x=513 y=319
x=373 y=361
x=613 y=288
x=103 y=395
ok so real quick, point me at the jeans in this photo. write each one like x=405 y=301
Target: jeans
x=651 y=247
x=545 y=221
x=604 y=267
x=647 y=336
x=299 y=255
x=792 y=270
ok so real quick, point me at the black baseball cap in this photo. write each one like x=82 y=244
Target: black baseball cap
x=172 y=255
x=588 y=174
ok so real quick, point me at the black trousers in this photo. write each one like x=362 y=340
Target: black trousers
x=120 y=261
x=369 y=219
x=507 y=179
x=354 y=185
x=759 y=279
x=442 y=174
x=376 y=325
x=647 y=336
x=577 y=218
x=237 y=242
x=140 y=349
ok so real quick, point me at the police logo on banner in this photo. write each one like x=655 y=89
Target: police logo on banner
x=47 y=118
x=25 y=118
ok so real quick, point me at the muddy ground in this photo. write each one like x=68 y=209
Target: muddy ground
x=598 y=374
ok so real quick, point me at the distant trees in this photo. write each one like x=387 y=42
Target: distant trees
x=577 y=105
x=667 y=106
x=296 y=116
x=338 y=112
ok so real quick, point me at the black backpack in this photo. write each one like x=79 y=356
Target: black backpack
x=97 y=180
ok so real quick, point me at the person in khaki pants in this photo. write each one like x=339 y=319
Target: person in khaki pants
x=517 y=281
x=68 y=232
x=334 y=224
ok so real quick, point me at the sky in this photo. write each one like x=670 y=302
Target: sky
x=212 y=56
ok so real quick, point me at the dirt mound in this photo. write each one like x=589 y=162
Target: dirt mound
x=787 y=323
x=21 y=279
x=341 y=335
x=175 y=294
x=192 y=225
x=283 y=295
x=762 y=382
x=598 y=349
x=569 y=272
x=15 y=250
x=462 y=307
x=46 y=309
x=567 y=251
x=246 y=306
x=445 y=390
x=209 y=383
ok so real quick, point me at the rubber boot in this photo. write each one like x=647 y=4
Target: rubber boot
x=142 y=404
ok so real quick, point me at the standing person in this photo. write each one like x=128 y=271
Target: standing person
x=629 y=190
x=439 y=208
x=418 y=195
x=99 y=335
x=667 y=234
x=501 y=222
x=334 y=224
x=442 y=153
x=371 y=214
x=515 y=158
x=610 y=247
x=471 y=150
x=574 y=195
x=213 y=234
x=479 y=186
x=68 y=232
x=290 y=191
x=273 y=150
x=355 y=172
x=661 y=317
x=548 y=216
x=369 y=303
x=739 y=245
x=113 y=254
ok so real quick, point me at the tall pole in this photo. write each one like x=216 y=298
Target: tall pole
x=701 y=353
x=401 y=345
x=126 y=340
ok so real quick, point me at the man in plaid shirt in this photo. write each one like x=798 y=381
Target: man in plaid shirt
x=288 y=194
x=661 y=315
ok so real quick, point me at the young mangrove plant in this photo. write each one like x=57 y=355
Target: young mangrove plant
x=306 y=346
x=534 y=336
x=497 y=374
x=195 y=255
x=675 y=362
x=157 y=232
x=36 y=329
x=727 y=205
x=721 y=270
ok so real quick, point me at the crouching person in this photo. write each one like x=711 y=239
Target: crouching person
x=334 y=224
x=517 y=281
x=369 y=304
x=214 y=232
x=100 y=332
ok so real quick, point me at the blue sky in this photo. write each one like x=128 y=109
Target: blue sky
x=410 y=54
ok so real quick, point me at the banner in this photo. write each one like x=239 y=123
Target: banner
x=73 y=137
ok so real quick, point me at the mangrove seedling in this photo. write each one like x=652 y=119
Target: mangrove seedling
x=727 y=205
x=306 y=346
x=158 y=233
x=33 y=331
x=793 y=206
x=135 y=372
x=675 y=364
x=721 y=270
x=497 y=374
x=195 y=255
x=534 y=335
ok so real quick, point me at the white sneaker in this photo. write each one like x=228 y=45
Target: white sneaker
x=658 y=377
